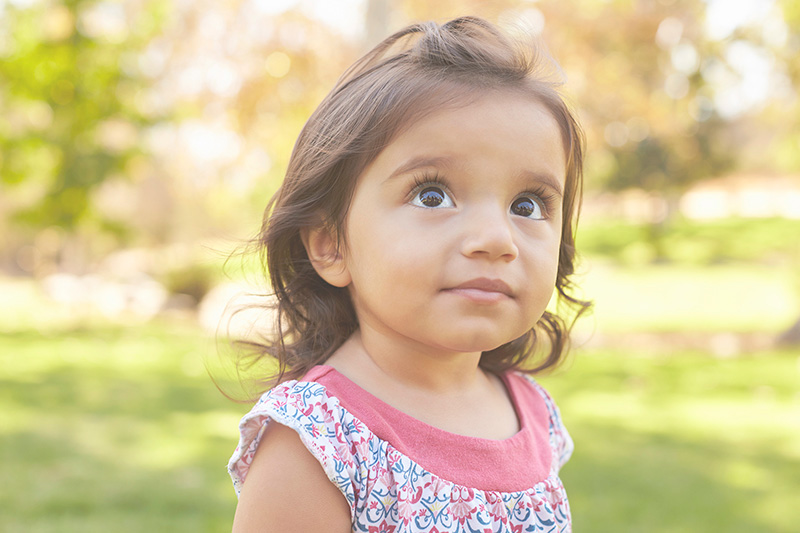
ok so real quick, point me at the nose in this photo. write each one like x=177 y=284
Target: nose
x=488 y=233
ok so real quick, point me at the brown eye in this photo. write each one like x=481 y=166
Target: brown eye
x=527 y=207
x=432 y=196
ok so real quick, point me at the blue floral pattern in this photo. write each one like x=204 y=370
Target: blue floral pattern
x=387 y=491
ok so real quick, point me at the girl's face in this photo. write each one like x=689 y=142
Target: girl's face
x=453 y=234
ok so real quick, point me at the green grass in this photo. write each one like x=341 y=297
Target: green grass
x=686 y=298
x=119 y=429
x=113 y=429
x=687 y=242
x=731 y=275
x=682 y=443
x=106 y=427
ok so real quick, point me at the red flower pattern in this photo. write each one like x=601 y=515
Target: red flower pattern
x=383 y=527
x=388 y=491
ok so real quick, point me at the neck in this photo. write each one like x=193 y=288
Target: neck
x=364 y=355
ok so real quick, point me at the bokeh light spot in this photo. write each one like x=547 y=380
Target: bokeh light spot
x=278 y=64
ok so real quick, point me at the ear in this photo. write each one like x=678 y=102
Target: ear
x=322 y=248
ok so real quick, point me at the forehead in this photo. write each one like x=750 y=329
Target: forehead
x=498 y=126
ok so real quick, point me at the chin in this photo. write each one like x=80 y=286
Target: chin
x=474 y=345
x=482 y=340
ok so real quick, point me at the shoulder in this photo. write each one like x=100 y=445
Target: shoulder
x=314 y=415
x=283 y=479
x=297 y=439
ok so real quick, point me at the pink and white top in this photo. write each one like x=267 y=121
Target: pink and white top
x=401 y=475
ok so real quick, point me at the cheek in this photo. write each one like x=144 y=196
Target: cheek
x=379 y=246
x=543 y=261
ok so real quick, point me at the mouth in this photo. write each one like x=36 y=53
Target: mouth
x=483 y=290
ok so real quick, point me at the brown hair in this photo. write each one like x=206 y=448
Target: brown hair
x=418 y=69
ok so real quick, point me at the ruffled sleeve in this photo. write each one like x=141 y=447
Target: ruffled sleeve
x=560 y=440
x=324 y=427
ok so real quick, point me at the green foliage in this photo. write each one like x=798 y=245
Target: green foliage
x=687 y=242
x=193 y=280
x=68 y=127
x=77 y=99
x=791 y=12
x=671 y=164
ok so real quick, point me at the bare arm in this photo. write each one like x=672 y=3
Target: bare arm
x=287 y=490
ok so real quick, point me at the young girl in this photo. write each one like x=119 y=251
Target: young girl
x=426 y=216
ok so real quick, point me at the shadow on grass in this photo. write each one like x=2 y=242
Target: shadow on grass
x=59 y=485
x=119 y=429
x=684 y=442
x=113 y=429
x=621 y=481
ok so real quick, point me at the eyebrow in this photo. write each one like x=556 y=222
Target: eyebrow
x=546 y=179
x=415 y=163
x=419 y=162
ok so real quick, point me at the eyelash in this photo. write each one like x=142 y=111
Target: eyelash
x=547 y=197
x=426 y=179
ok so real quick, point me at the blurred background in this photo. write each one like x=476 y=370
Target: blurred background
x=141 y=139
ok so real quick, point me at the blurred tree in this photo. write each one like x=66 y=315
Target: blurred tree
x=174 y=121
x=661 y=95
x=647 y=108
x=789 y=143
x=68 y=93
x=639 y=72
x=243 y=77
x=151 y=122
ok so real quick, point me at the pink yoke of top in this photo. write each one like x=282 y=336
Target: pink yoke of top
x=399 y=474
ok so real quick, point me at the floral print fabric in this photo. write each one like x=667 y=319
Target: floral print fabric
x=387 y=491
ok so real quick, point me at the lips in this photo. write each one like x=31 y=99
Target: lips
x=483 y=290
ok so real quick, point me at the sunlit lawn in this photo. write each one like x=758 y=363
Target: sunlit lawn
x=733 y=297
x=113 y=429
x=683 y=442
x=110 y=428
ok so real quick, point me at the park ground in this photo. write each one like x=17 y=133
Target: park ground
x=684 y=407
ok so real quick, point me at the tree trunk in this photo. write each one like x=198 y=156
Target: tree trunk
x=791 y=337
